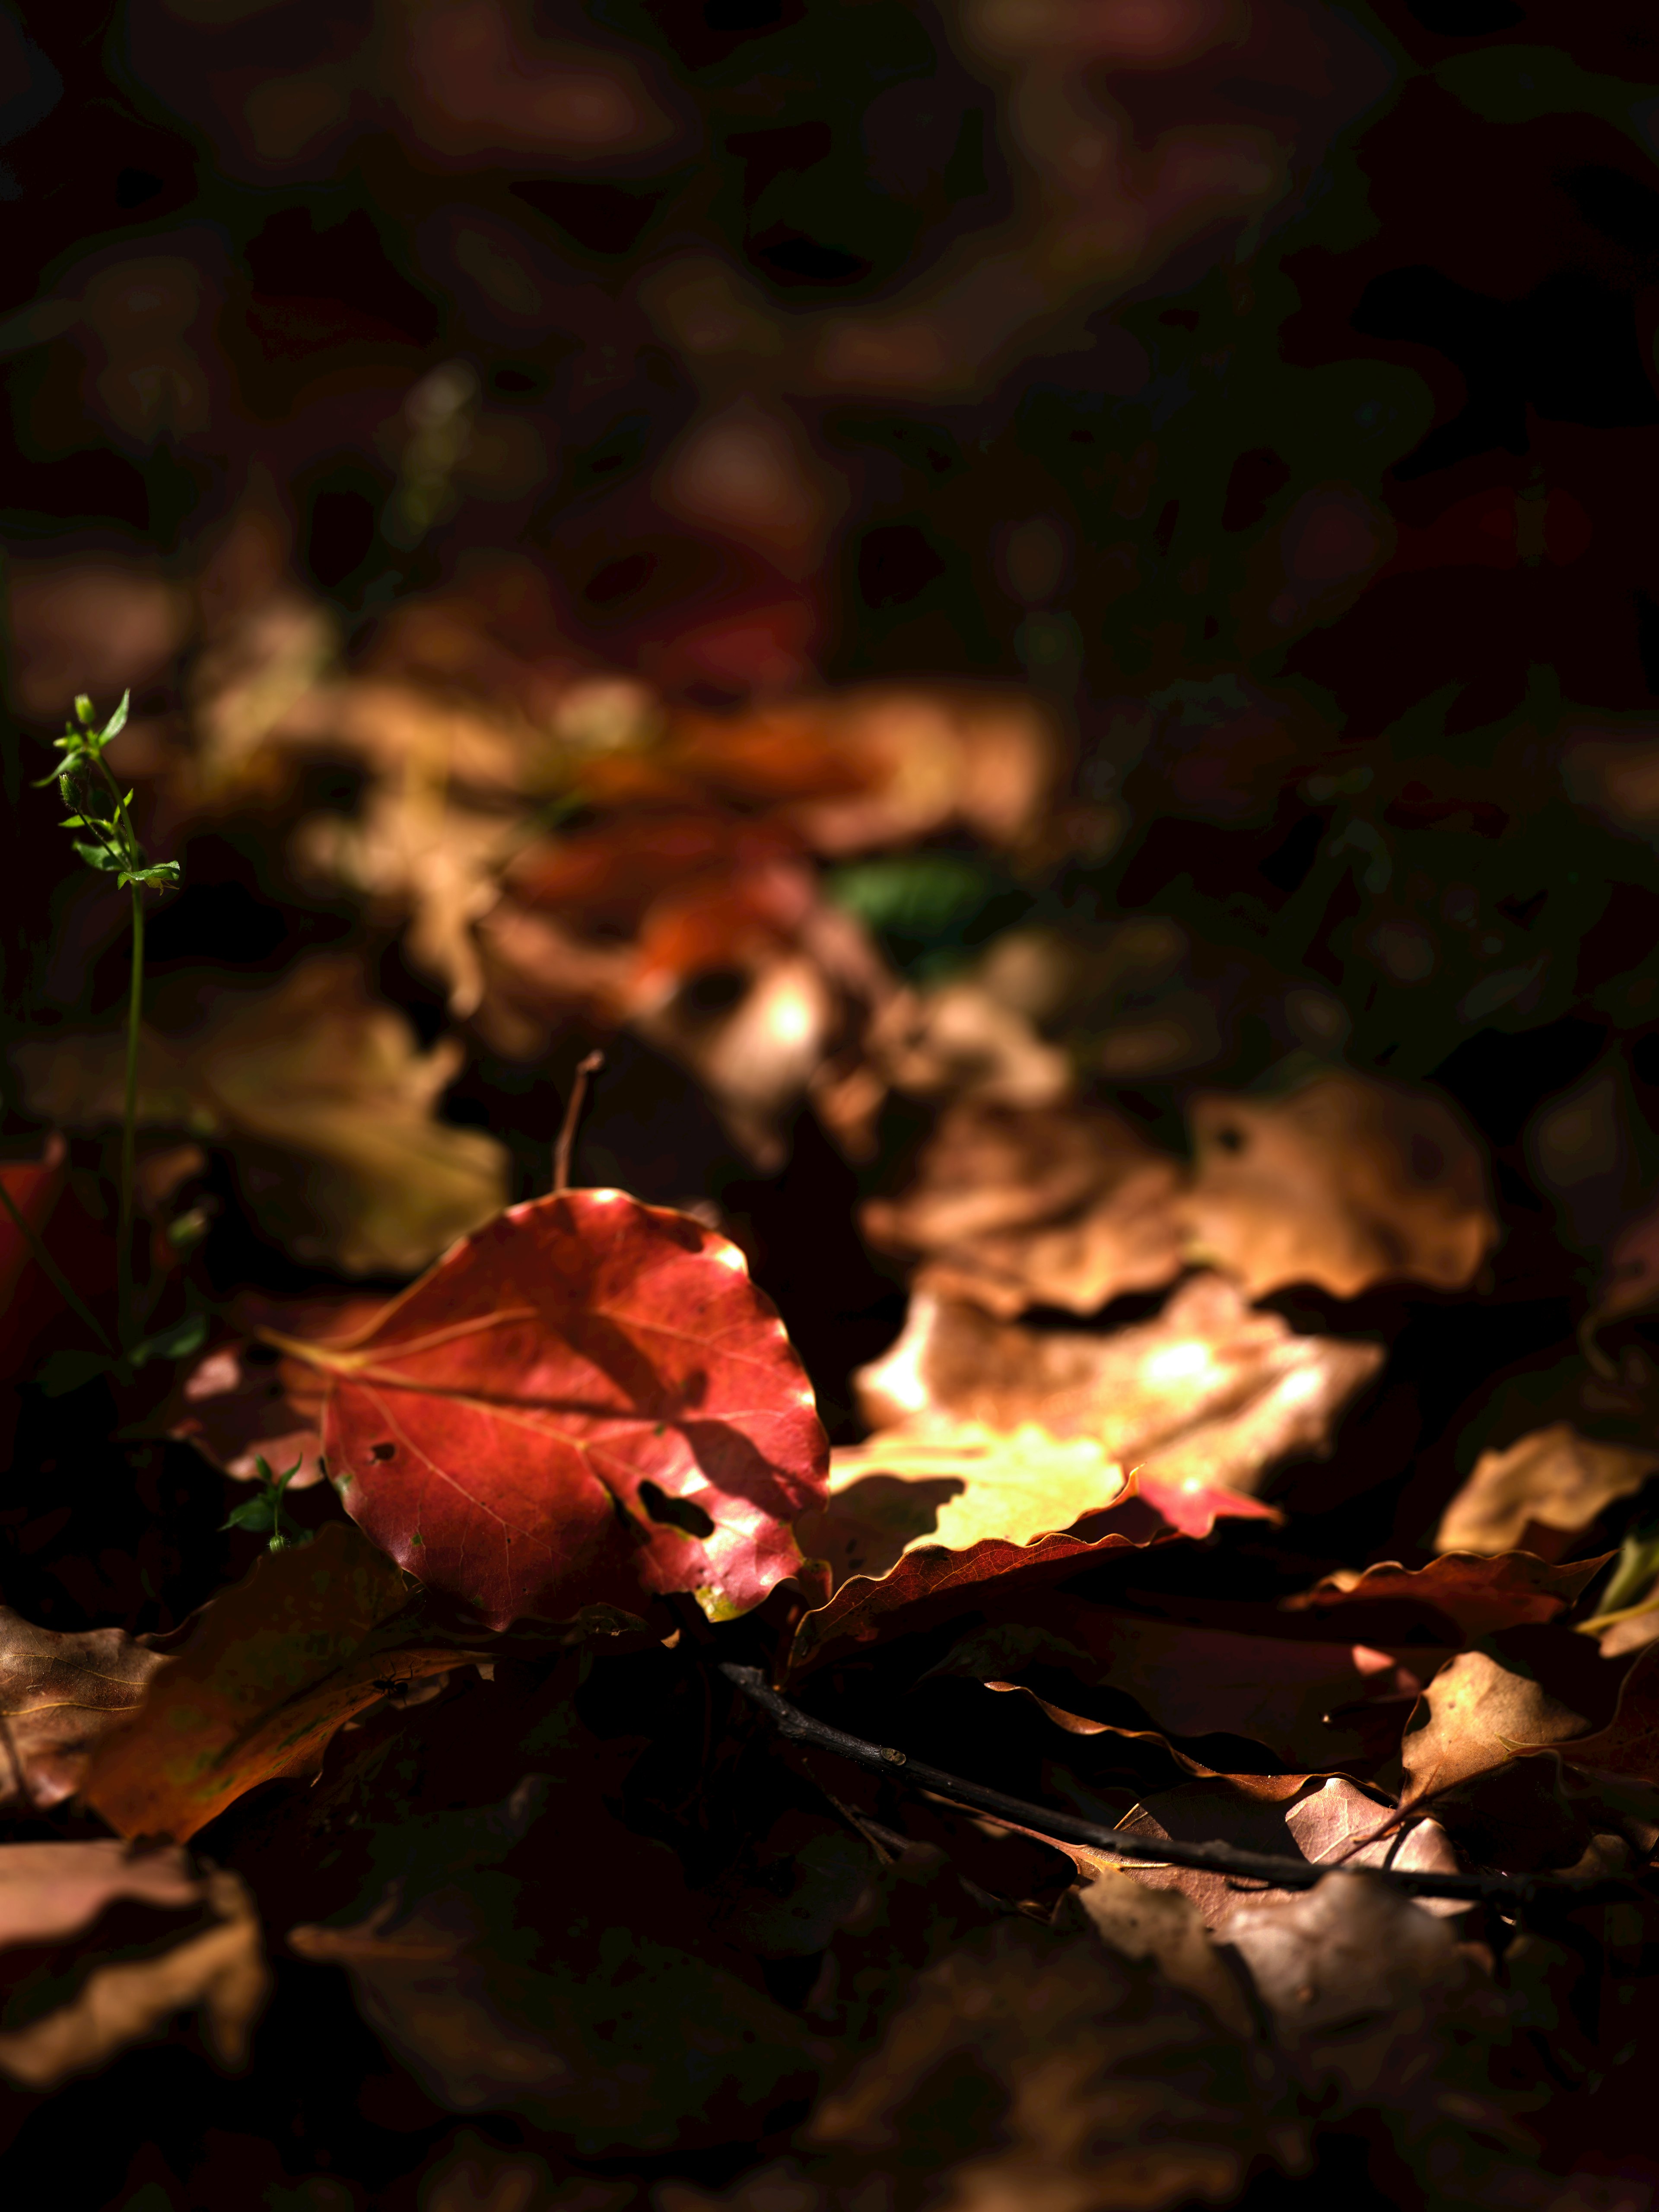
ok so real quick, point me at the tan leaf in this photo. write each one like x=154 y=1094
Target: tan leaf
x=1522 y=1690
x=1208 y=1395
x=1346 y=1182
x=1012 y=1207
x=50 y=1892
x=1144 y=1922
x=327 y=1102
x=60 y=1696
x=1553 y=1476
x=1352 y=1946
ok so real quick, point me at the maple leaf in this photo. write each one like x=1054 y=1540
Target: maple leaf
x=1344 y=1182
x=59 y=1696
x=585 y=1402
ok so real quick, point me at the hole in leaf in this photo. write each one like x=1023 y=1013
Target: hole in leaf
x=1229 y=1140
x=383 y=1451
x=679 y=1513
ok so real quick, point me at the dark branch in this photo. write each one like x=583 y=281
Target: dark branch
x=1159 y=1850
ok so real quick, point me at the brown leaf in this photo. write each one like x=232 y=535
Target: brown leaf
x=1308 y=1816
x=1144 y=1921
x=1315 y=1706
x=327 y=1104
x=1629 y=1744
x=1060 y=1205
x=1554 y=1476
x=1525 y=1688
x=521 y=1957
x=1474 y=1595
x=59 y=1696
x=1344 y=1182
x=1111 y=2088
x=1350 y=1947
x=1207 y=1397
x=271 y=1670
x=51 y=1894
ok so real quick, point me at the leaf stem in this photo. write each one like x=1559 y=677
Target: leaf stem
x=1161 y=1851
x=585 y=1069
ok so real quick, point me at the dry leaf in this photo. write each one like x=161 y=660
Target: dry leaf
x=59 y=1696
x=51 y=1893
x=1110 y=2090
x=1463 y=1595
x=1524 y=1689
x=1044 y=1205
x=959 y=1041
x=1351 y=1946
x=327 y=1103
x=1345 y=1183
x=1204 y=1398
x=1554 y=1476
x=268 y=1673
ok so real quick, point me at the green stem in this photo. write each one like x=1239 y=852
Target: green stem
x=130 y=1114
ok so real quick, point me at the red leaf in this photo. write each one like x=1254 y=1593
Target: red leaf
x=586 y=1401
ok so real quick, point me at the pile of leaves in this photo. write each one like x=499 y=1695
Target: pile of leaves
x=842 y=1395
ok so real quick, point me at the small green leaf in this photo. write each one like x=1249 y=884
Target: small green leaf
x=68 y=1370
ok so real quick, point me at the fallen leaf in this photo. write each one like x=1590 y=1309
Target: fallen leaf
x=309 y=1638
x=1350 y=1947
x=586 y=1402
x=52 y=1895
x=1313 y=1817
x=1042 y=1206
x=1205 y=1397
x=1309 y=1704
x=1474 y=1594
x=957 y=1491
x=59 y=1696
x=1344 y=1182
x=1629 y=1743
x=327 y=1105
x=957 y=1042
x=1554 y=1477
x=516 y=1957
x=928 y=1581
x=1143 y=1921
x=1522 y=1689
x=244 y=1400
x=1108 y=2085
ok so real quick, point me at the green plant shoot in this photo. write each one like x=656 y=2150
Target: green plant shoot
x=101 y=812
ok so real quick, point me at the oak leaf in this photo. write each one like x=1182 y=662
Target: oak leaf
x=585 y=1402
x=59 y=1696
x=1344 y=1182
x=1523 y=1689
x=1554 y=1477
x=1474 y=1594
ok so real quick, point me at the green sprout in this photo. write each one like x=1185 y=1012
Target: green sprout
x=101 y=812
x=264 y=1513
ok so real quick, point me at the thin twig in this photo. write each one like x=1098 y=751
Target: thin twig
x=1160 y=1850
x=573 y=1114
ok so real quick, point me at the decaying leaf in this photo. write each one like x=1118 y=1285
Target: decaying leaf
x=1321 y=1818
x=1351 y=1946
x=1112 y=2088
x=515 y=1957
x=1011 y=1207
x=272 y=1667
x=1554 y=1476
x=1344 y=1182
x=59 y=1696
x=1318 y=1707
x=1467 y=1594
x=1523 y=1689
x=1207 y=1397
x=586 y=1402
x=327 y=1104
x=52 y=1896
x=1144 y=1921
